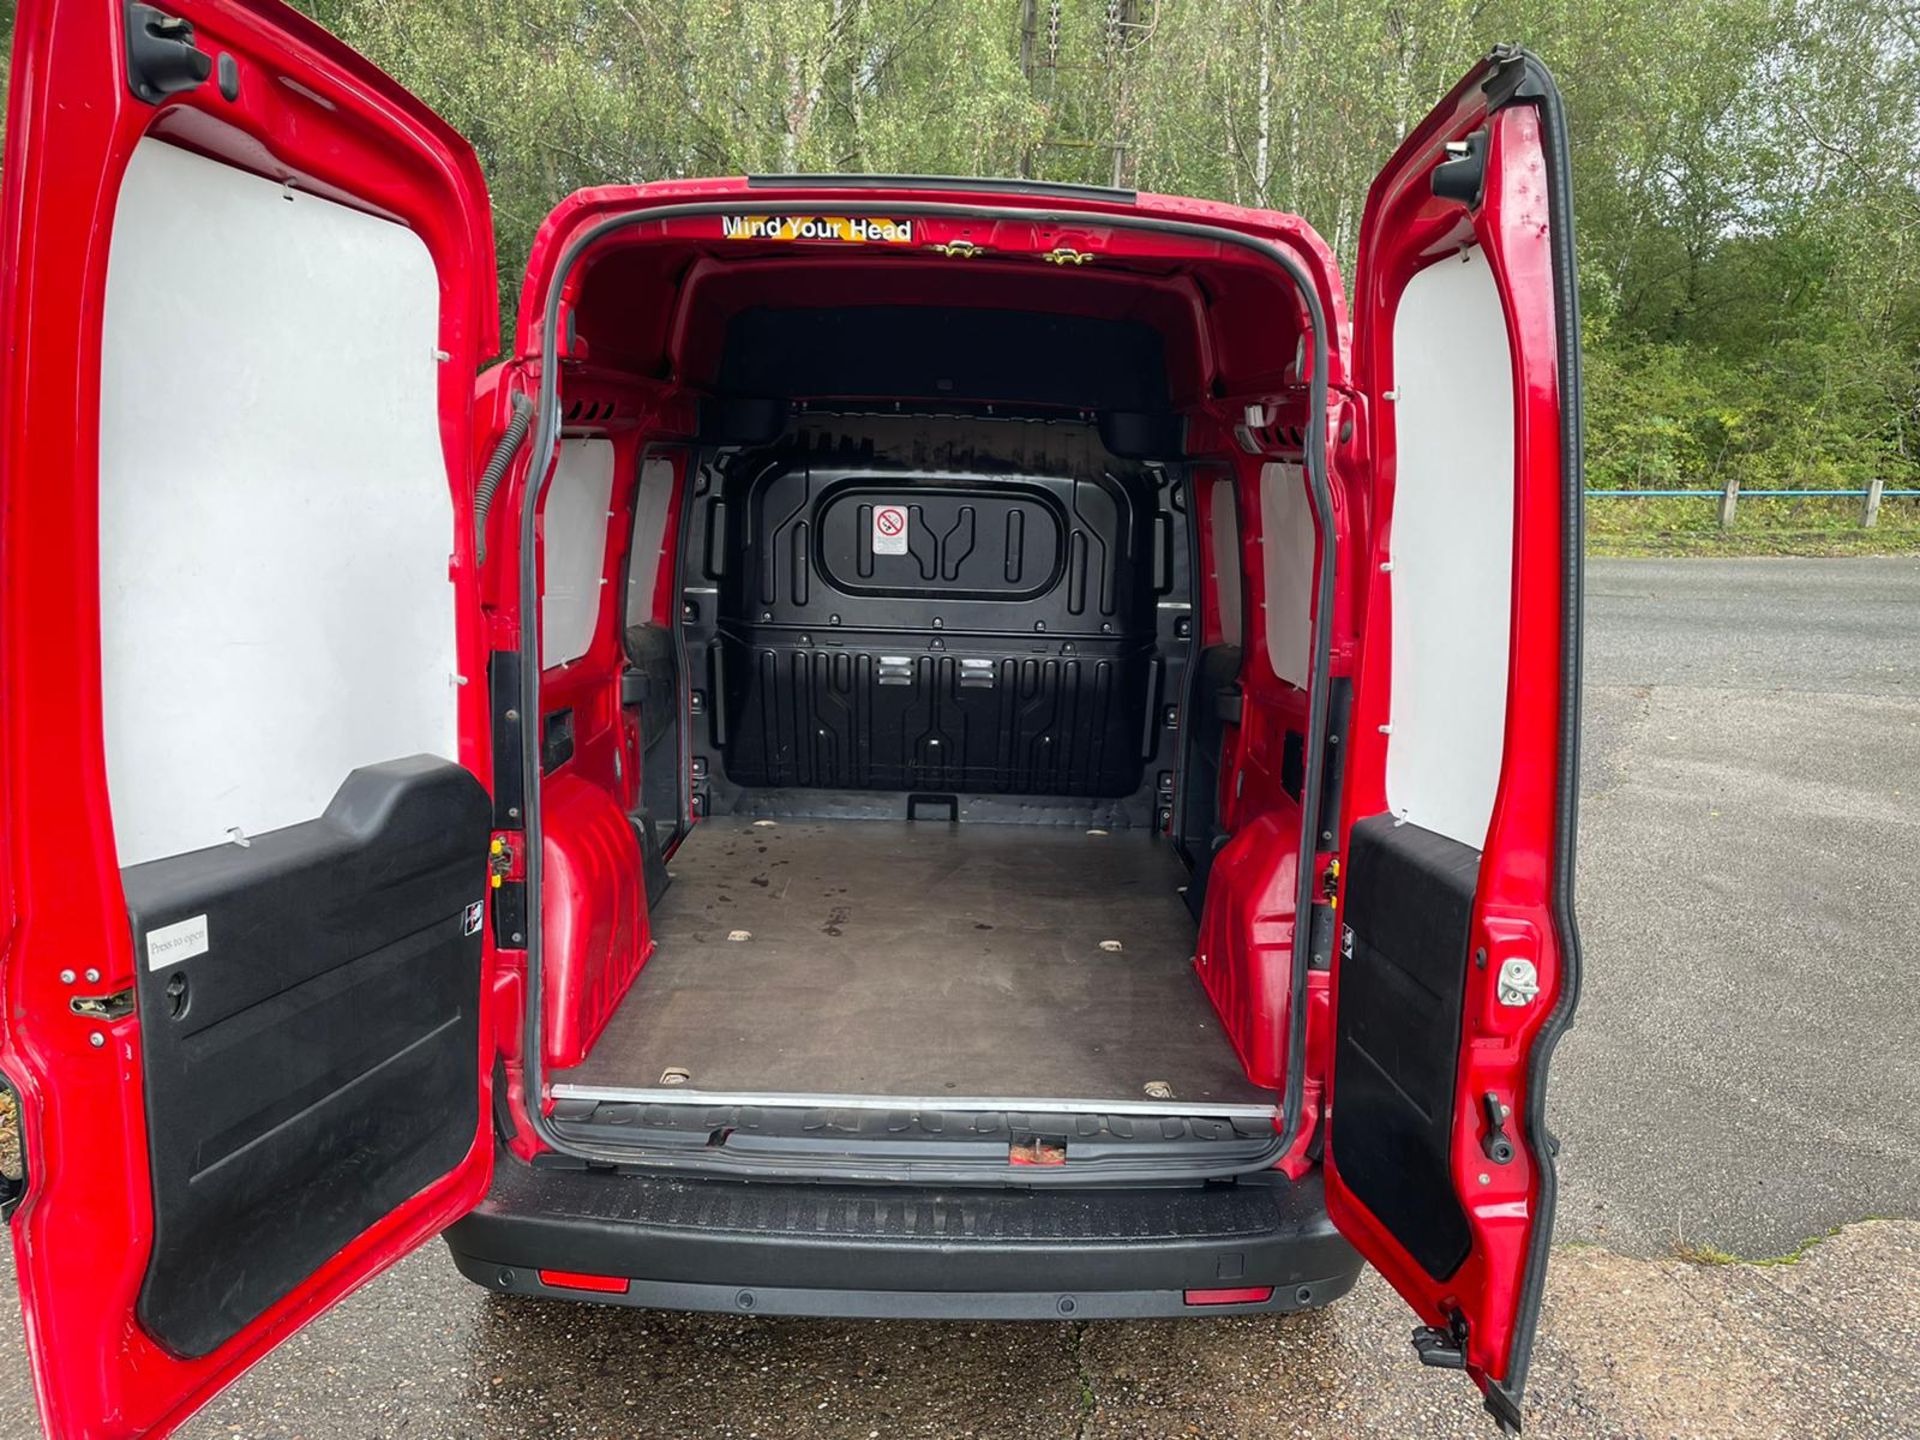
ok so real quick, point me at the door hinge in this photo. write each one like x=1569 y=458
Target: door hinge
x=509 y=783
x=1320 y=930
x=116 y=1006
x=1443 y=1349
x=510 y=915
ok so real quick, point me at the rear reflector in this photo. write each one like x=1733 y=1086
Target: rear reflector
x=1233 y=1295
x=1036 y=1150
x=572 y=1280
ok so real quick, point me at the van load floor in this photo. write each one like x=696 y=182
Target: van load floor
x=875 y=957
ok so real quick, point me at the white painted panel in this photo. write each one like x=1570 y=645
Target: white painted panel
x=649 y=531
x=1225 y=524
x=1452 y=541
x=275 y=515
x=1286 y=548
x=574 y=558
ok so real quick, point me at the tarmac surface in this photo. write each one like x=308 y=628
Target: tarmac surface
x=1744 y=1069
x=1744 y=1078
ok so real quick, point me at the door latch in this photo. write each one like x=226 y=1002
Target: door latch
x=1519 y=981
x=116 y=1006
x=499 y=861
x=162 y=58
x=1462 y=175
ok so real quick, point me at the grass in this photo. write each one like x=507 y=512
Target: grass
x=1695 y=1253
x=1680 y=527
x=1885 y=540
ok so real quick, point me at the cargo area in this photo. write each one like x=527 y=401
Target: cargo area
x=923 y=712
x=934 y=671
x=927 y=959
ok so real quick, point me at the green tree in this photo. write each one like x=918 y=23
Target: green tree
x=1747 y=172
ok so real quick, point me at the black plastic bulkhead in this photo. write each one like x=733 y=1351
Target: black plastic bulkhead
x=946 y=623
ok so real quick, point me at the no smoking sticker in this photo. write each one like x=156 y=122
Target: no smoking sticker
x=889 y=529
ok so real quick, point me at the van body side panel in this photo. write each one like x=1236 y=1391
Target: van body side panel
x=596 y=931
x=1247 y=949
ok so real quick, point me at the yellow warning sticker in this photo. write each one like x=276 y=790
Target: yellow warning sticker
x=845 y=229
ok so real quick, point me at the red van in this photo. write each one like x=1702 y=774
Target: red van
x=921 y=747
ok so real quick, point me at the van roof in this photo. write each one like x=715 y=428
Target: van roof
x=1007 y=185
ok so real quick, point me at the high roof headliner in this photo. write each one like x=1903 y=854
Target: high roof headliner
x=1228 y=323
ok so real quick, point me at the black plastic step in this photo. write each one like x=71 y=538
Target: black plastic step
x=1039 y=1146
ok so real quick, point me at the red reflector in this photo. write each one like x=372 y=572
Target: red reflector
x=572 y=1280
x=1232 y=1295
x=1032 y=1150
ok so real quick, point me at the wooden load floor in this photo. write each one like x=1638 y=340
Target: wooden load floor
x=921 y=959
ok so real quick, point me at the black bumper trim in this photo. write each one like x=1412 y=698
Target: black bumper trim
x=907 y=1304
x=993 y=1249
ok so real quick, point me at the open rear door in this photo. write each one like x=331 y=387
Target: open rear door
x=1458 y=964
x=247 y=281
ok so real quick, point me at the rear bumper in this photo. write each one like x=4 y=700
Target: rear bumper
x=905 y=1252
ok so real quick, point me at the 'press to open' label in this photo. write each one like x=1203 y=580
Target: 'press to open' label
x=890 y=529
x=182 y=940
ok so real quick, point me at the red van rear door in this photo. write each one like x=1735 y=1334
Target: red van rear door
x=1458 y=966
x=247 y=282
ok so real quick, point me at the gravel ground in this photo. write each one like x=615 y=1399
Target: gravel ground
x=9 y=1138
x=1825 y=1346
x=1744 y=1075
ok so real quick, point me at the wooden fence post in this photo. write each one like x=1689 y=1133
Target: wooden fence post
x=1729 y=502
x=1870 y=512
